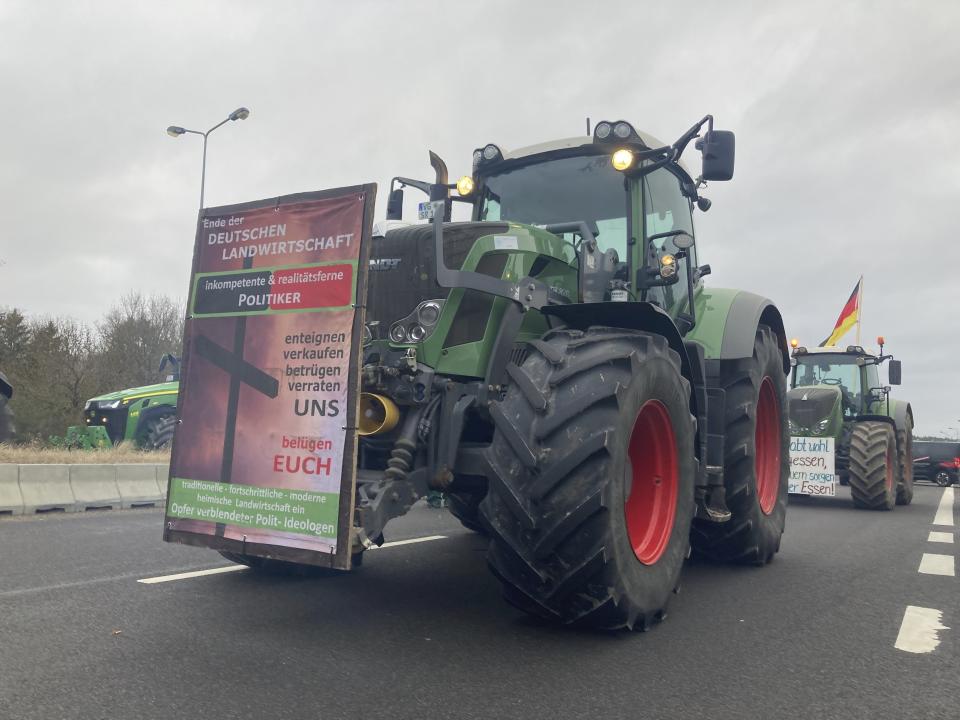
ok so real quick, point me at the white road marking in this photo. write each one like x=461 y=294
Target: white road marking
x=940 y=537
x=919 y=631
x=931 y=564
x=195 y=573
x=944 y=514
x=239 y=568
x=411 y=541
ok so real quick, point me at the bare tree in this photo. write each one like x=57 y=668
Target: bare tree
x=133 y=337
x=54 y=378
x=56 y=364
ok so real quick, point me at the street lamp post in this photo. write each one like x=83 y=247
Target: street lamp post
x=240 y=113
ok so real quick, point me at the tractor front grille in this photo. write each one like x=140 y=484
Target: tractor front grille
x=115 y=421
x=810 y=405
x=403 y=268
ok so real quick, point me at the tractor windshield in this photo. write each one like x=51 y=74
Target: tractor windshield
x=827 y=370
x=839 y=371
x=569 y=189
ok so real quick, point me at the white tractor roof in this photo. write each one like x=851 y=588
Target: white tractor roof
x=649 y=140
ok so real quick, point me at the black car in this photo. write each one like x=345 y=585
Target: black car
x=937 y=461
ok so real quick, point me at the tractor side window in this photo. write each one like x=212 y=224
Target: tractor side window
x=491 y=209
x=873 y=381
x=665 y=209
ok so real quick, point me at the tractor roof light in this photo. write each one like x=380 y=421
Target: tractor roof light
x=622 y=159
x=465 y=185
x=489 y=153
x=616 y=131
x=794 y=343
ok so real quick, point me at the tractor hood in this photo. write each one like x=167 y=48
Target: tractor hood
x=138 y=392
x=812 y=408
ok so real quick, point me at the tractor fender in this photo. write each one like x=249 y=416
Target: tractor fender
x=747 y=312
x=727 y=322
x=634 y=316
x=877 y=418
x=152 y=413
x=900 y=410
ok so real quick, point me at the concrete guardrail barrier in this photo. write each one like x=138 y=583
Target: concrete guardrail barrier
x=28 y=489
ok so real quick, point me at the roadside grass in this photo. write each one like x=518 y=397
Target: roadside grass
x=38 y=453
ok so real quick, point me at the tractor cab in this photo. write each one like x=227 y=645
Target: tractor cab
x=619 y=200
x=841 y=383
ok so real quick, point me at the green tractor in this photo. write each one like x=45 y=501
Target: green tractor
x=836 y=393
x=144 y=416
x=6 y=415
x=557 y=367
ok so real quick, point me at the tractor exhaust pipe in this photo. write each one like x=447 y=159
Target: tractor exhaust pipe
x=378 y=414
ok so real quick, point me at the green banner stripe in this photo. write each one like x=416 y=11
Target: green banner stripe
x=301 y=512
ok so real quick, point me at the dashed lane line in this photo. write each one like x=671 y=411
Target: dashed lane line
x=920 y=630
x=933 y=564
x=239 y=568
x=944 y=514
x=921 y=627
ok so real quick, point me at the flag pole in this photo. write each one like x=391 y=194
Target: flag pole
x=859 y=309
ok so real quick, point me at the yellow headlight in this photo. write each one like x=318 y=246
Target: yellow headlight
x=794 y=343
x=668 y=266
x=465 y=185
x=622 y=159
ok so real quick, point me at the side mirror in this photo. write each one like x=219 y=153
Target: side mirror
x=718 y=149
x=395 y=205
x=893 y=372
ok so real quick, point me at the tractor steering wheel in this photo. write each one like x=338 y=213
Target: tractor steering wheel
x=830 y=381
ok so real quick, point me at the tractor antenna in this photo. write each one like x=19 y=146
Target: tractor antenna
x=588 y=127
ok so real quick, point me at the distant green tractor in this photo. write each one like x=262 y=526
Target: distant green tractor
x=6 y=416
x=144 y=416
x=836 y=393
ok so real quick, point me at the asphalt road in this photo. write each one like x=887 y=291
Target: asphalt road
x=420 y=630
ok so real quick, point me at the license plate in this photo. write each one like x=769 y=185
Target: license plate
x=425 y=211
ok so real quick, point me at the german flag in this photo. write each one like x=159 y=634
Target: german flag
x=848 y=316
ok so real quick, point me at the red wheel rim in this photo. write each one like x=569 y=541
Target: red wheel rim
x=652 y=503
x=767 y=442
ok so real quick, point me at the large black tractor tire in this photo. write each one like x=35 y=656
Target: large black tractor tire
x=873 y=465
x=905 y=463
x=591 y=488
x=269 y=566
x=756 y=459
x=465 y=507
x=157 y=433
x=6 y=422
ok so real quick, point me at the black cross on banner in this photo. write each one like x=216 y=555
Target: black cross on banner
x=239 y=371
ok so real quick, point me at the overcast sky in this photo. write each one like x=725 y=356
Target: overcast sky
x=846 y=117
